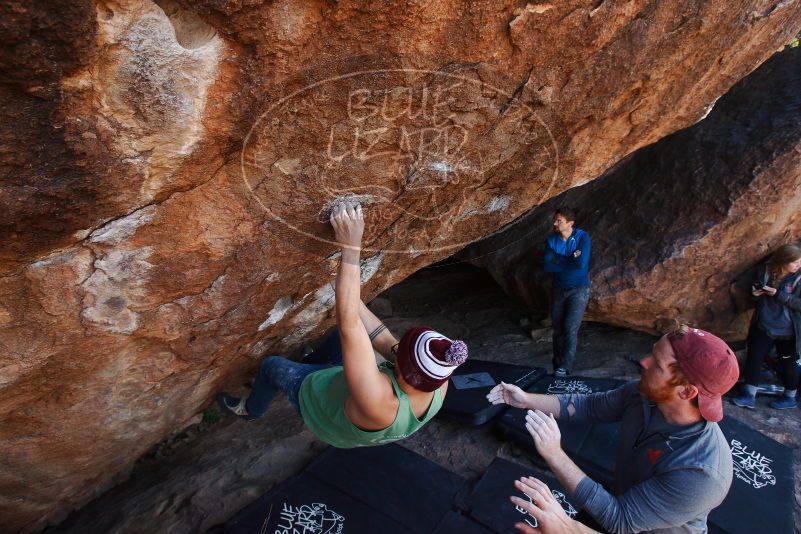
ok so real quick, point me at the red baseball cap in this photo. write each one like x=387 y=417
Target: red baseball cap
x=708 y=364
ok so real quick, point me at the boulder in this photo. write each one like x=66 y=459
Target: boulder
x=168 y=166
x=679 y=226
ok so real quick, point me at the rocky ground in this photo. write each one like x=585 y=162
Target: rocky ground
x=205 y=473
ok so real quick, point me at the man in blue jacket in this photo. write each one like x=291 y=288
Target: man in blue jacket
x=567 y=255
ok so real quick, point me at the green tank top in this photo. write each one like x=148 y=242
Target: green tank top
x=322 y=405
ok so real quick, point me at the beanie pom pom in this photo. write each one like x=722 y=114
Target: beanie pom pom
x=456 y=353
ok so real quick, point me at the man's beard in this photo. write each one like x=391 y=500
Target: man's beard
x=656 y=395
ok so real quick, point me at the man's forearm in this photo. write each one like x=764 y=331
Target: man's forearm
x=566 y=471
x=545 y=403
x=348 y=289
x=581 y=528
x=384 y=341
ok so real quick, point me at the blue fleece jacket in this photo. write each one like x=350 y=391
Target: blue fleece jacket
x=568 y=271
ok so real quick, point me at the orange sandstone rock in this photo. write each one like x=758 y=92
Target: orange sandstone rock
x=167 y=167
x=678 y=227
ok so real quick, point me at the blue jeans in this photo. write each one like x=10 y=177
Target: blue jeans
x=566 y=313
x=277 y=373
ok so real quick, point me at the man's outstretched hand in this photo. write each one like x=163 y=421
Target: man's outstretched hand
x=348 y=223
x=551 y=517
x=545 y=432
x=509 y=394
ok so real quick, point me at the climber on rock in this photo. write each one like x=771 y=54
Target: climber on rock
x=349 y=401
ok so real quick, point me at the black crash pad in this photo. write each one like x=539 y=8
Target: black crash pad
x=574 y=384
x=488 y=503
x=761 y=495
x=466 y=401
x=394 y=480
x=456 y=523
x=591 y=445
x=305 y=504
x=400 y=490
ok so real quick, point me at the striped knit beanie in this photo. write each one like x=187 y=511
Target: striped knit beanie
x=426 y=358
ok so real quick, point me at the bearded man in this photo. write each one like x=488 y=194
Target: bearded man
x=673 y=465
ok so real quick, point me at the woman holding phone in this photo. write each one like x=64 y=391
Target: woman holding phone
x=776 y=323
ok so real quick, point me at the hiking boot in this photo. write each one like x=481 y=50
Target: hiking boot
x=560 y=372
x=783 y=403
x=233 y=405
x=744 y=400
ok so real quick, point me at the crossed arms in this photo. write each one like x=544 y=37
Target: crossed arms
x=580 y=259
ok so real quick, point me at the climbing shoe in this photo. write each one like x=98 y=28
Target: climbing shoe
x=784 y=403
x=233 y=405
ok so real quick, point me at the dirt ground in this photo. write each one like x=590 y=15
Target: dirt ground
x=205 y=473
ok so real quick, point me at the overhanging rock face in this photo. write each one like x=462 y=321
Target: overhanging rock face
x=678 y=226
x=167 y=169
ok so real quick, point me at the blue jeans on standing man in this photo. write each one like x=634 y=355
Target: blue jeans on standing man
x=566 y=313
x=278 y=373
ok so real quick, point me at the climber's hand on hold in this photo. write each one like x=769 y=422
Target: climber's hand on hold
x=348 y=223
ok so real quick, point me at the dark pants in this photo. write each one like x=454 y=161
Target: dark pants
x=566 y=313
x=277 y=373
x=759 y=345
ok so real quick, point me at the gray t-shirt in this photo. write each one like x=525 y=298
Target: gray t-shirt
x=667 y=477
